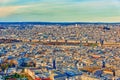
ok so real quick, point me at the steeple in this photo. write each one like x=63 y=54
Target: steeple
x=54 y=63
x=103 y=64
x=101 y=42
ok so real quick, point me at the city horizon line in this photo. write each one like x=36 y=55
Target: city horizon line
x=56 y=22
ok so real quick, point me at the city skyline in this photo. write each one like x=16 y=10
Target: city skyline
x=60 y=11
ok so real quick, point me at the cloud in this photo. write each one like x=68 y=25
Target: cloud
x=6 y=11
x=6 y=1
x=62 y=10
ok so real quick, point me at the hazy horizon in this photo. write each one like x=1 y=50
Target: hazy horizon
x=59 y=11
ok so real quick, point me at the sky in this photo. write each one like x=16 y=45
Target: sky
x=60 y=10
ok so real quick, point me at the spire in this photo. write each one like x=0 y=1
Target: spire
x=113 y=73
x=103 y=64
x=101 y=42
x=54 y=63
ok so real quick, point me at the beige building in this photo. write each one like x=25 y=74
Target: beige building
x=30 y=73
x=85 y=77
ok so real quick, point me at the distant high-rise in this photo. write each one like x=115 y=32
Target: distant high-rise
x=76 y=25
